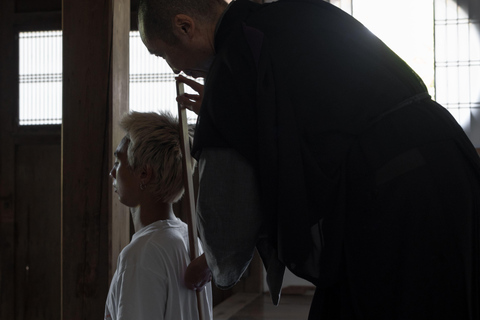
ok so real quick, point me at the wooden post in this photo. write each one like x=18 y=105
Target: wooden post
x=8 y=99
x=95 y=94
x=120 y=217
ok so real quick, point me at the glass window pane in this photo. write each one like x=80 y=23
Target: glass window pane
x=40 y=78
x=457 y=40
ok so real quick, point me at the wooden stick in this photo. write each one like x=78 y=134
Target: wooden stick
x=189 y=196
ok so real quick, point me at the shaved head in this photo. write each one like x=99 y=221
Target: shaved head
x=155 y=16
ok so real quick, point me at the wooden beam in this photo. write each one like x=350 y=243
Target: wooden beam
x=38 y=21
x=95 y=94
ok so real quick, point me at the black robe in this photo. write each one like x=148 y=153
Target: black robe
x=371 y=189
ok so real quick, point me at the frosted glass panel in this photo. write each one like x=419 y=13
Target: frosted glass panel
x=40 y=78
x=152 y=82
x=457 y=63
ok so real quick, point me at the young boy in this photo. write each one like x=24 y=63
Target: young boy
x=147 y=177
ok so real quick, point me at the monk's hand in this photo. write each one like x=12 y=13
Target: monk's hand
x=197 y=274
x=191 y=101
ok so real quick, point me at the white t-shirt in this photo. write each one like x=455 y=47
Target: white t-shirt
x=148 y=282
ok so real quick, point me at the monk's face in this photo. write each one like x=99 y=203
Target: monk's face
x=192 y=53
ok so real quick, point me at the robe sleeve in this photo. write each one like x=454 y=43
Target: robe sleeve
x=229 y=213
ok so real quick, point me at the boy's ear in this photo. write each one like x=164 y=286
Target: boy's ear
x=146 y=175
x=183 y=25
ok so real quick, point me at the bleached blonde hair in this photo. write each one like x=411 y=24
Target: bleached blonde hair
x=154 y=140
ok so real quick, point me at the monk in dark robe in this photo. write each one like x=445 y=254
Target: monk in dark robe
x=320 y=148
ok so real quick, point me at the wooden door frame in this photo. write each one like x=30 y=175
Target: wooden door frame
x=8 y=98
x=95 y=227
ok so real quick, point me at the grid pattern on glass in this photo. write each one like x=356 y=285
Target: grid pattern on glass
x=40 y=78
x=457 y=63
x=152 y=82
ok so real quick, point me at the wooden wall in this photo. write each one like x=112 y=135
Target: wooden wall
x=58 y=237
x=37 y=230
x=29 y=195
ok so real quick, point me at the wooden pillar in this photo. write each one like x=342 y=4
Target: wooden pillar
x=95 y=227
x=8 y=98
x=119 y=224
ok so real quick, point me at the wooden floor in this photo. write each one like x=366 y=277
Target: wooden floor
x=244 y=306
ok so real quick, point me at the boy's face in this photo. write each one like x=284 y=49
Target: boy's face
x=125 y=182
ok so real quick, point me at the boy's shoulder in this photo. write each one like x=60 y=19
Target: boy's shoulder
x=150 y=245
